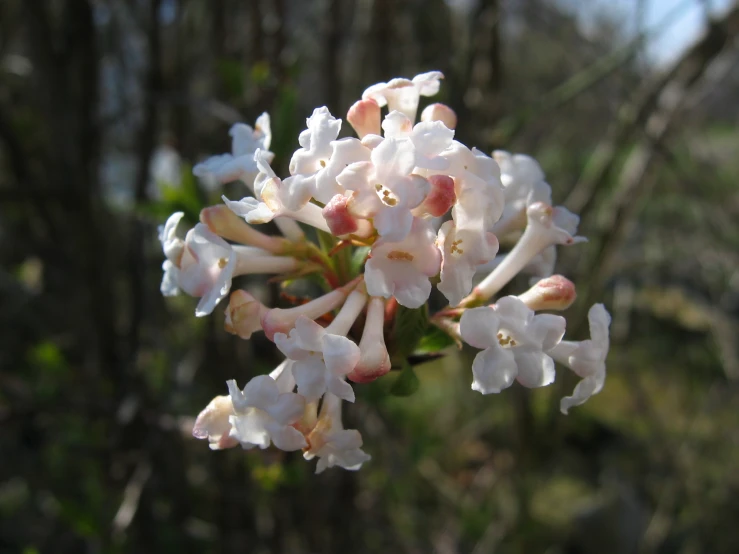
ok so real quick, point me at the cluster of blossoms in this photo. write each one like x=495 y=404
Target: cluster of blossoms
x=414 y=207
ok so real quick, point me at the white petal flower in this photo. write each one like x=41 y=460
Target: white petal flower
x=323 y=128
x=515 y=341
x=477 y=186
x=276 y=198
x=322 y=359
x=309 y=163
x=385 y=189
x=283 y=376
x=402 y=269
x=170 y=279
x=213 y=424
x=209 y=263
x=586 y=358
x=343 y=153
x=240 y=164
x=172 y=244
x=462 y=250
x=263 y=414
x=331 y=443
x=403 y=94
x=542 y=231
x=523 y=182
x=206 y=268
x=429 y=138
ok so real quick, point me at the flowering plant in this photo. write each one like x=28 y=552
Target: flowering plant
x=401 y=206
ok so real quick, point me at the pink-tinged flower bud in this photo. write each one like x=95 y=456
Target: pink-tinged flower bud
x=364 y=117
x=244 y=314
x=440 y=198
x=278 y=320
x=440 y=112
x=553 y=293
x=374 y=359
x=337 y=216
x=224 y=223
x=213 y=424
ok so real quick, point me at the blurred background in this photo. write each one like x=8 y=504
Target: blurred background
x=631 y=107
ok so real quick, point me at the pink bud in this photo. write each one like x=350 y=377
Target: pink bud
x=440 y=112
x=337 y=216
x=244 y=314
x=552 y=293
x=440 y=198
x=364 y=117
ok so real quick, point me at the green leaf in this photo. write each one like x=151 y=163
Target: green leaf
x=358 y=257
x=434 y=341
x=407 y=382
x=410 y=326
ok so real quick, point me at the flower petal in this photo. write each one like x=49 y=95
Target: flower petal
x=479 y=326
x=494 y=369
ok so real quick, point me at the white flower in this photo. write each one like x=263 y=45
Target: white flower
x=546 y=226
x=343 y=153
x=274 y=200
x=263 y=414
x=403 y=94
x=586 y=358
x=209 y=263
x=213 y=424
x=402 y=269
x=462 y=250
x=206 y=268
x=384 y=188
x=270 y=195
x=515 y=343
x=172 y=244
x=523 y=182
x=240 y=164
x=310 y=162
x=322 y=359
x=477 y=186
x=429 y=138
x=331 y=443
x=170 y=279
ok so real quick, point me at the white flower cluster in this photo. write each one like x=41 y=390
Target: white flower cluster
x=423 y=206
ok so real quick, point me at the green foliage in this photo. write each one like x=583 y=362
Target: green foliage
x=409 y=328
x=433 y=341
x=406 y=383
